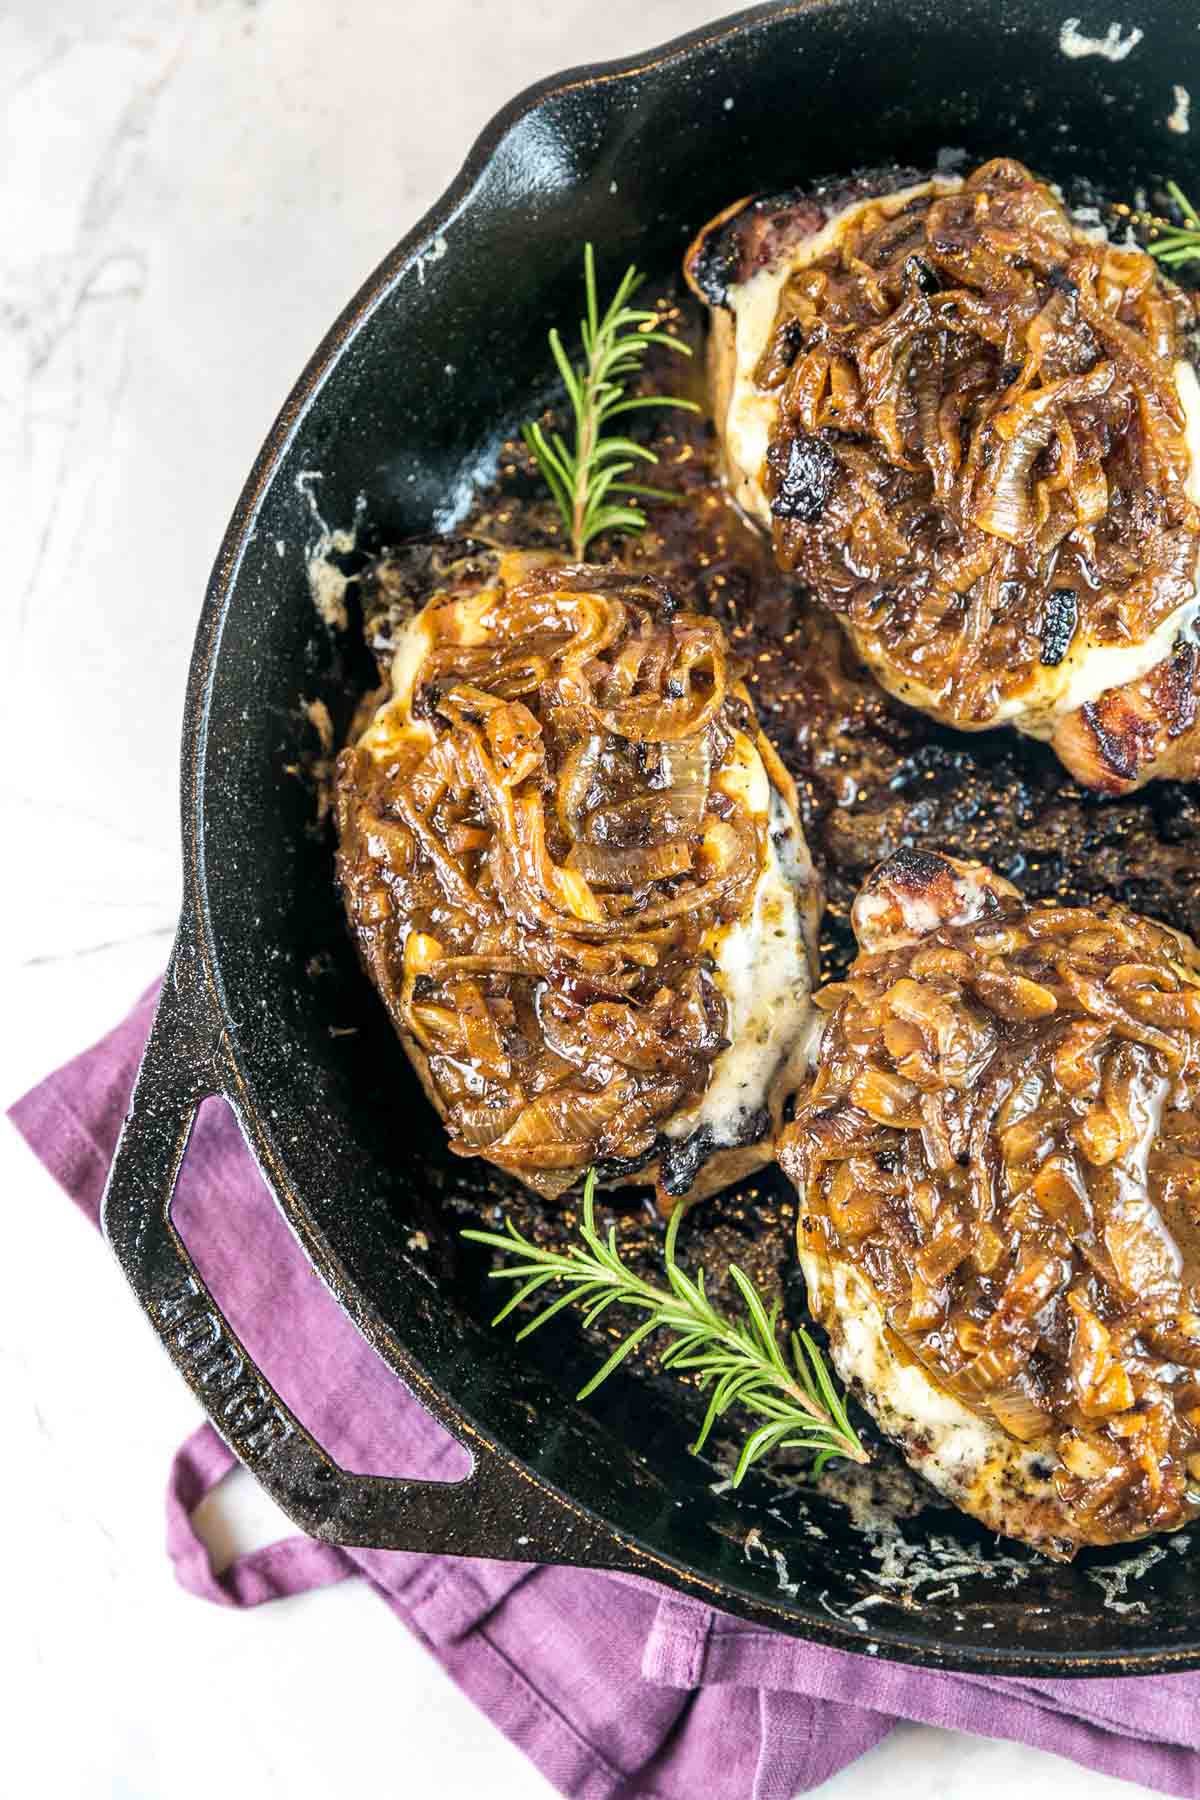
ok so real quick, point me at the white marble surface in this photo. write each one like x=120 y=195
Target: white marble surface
x=189 y=192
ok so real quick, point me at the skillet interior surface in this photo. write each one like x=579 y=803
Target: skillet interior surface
x=430 y=367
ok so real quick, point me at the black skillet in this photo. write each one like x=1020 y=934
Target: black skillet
x=434 y=359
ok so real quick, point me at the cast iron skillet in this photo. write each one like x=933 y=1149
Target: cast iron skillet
x=436 y=356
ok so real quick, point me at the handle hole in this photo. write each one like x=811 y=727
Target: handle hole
x=343 y=1393
x=236 y=1517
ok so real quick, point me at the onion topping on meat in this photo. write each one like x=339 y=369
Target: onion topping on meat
x=979 y=451
x=1003 y=1138
x=543 y=830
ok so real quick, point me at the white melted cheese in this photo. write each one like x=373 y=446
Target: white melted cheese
x=964 y=1454
x=761 y=966
x=1089 y=669
x=416 y=641
x=413 y=643
x=392 y=721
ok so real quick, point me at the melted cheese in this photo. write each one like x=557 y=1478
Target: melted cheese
x=964 y=1454
x=414 y=642
x=392 y=722
x=760 y=965
x=416 y=638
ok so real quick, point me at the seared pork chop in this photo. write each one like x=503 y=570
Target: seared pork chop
x=998 y=1163
x=972 y=427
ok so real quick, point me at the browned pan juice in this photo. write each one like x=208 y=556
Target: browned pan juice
x=872 y=776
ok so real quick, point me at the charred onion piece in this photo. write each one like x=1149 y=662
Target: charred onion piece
x=998 y=1161
x=971 y=427
x=575 y=872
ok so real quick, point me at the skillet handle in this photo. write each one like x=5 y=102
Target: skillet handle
x=496 y=1511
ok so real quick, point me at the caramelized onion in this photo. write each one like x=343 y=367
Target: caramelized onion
x=631 y=868
x=1007 y=509
x=1017 y=1412
x=685 y=770
x=1032 y=1231
x=1008 y=427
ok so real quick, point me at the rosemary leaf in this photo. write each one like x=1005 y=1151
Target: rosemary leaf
x=1175 y=244
x=739 y=1362
x=581 y=475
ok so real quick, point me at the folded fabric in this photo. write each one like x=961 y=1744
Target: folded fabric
x=615 y=1688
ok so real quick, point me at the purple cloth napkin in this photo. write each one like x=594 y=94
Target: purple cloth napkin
x=617 y=1689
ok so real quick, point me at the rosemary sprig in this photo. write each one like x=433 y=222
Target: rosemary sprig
x=738 y=1361
x=1175 y=244
x=585 y=477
